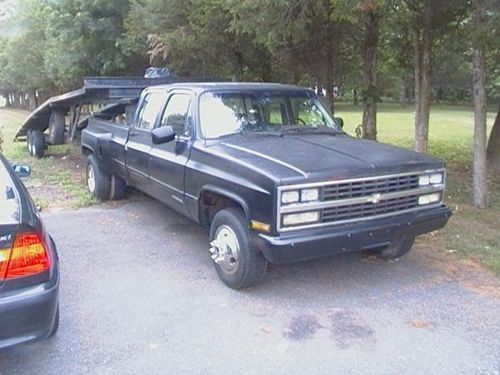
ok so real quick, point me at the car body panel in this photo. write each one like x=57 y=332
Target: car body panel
x=27 y=304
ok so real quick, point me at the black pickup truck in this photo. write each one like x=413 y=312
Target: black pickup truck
x=269 y=172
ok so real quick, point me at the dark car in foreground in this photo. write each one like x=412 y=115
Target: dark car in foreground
x=29 y=271
x=269 y=172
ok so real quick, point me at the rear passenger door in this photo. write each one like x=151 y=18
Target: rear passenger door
x=138 y=146
x=168 y=160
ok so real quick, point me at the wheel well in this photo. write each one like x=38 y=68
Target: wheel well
x=211 y=203
x=86 y=151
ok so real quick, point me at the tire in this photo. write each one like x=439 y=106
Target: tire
x=37 y=144
x=56 y=128
x=98 y=183
x=397 y=249
x=28 y=143
x=237 y=269
x=117 y=189
x=55 y=327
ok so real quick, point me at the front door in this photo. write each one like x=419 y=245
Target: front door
x=138 y=147
x=168 y=160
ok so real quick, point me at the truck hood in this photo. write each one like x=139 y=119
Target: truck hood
x=319 y=157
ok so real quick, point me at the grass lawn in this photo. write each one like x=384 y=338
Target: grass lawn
x=470 y=233
x=57 y=181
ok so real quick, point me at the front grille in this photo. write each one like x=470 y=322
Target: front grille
x=360 y=199
x=366 y=188
x=361 y=210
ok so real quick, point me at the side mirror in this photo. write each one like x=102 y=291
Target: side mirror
x=163 y=134
x=22 y=170
x=339 y=121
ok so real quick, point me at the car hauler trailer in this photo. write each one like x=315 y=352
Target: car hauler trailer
x=63 y=116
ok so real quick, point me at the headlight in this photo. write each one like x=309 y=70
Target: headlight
x=436 y=178
x=302 y=218
x=429 y=198
x=430 y=179
x=309 y=195
x=290 y=197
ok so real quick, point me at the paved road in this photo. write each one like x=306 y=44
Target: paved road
x=139 y=296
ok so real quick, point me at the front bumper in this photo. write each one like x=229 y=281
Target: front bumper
x=363 y=235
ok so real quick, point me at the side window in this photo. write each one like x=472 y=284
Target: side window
x=149 y=110
x=176 y=114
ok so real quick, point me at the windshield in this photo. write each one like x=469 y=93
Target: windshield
x=224 y=113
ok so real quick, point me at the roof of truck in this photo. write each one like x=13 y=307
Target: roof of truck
x=203 y=86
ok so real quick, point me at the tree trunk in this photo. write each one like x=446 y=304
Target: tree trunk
x=329 y=81
x=32 y=100
x=423 y=63
x=478 y=61
x=370 y=99
x=493 y=151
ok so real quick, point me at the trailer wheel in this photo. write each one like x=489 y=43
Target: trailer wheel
x=56 y=128
x=98 y=183
x=29 y=143
x=37 y=144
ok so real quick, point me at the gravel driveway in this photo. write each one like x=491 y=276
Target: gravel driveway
x=139 y=296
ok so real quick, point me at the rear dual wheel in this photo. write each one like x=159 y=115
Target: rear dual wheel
x=101 y=185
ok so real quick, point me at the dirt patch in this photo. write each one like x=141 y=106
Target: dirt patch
x=58 y=181
x=432 y=251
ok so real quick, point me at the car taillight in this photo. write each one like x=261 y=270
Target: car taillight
x=28 y=256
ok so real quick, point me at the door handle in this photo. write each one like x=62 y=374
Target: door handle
x=133 y=134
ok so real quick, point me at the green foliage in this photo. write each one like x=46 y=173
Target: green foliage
x=308 y=42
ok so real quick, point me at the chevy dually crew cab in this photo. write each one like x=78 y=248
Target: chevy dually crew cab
x=269 y=172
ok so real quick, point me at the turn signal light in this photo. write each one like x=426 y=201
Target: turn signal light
x=28 y=256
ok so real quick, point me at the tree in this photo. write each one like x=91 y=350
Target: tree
x=195 y=38
x=371 y=14
x=493 y=150
x=479 y=74
x=82 y=40
x=492 y=39
x=428 y=21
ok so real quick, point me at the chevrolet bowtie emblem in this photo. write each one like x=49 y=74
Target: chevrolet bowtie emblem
x=375 y=198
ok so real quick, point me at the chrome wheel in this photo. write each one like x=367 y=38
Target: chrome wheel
x=91 y=184
x=225 y=249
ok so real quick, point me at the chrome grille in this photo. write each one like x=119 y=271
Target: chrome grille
x=361 y=210
x=366 y=188
x=358 y=199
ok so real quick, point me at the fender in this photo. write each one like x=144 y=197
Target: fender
x=227 y=194
x=99 y=145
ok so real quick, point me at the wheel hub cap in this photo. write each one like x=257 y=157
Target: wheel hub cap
x=91 y=179
x=225 y=249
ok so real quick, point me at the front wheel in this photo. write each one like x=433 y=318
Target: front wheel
x=397 y=249
x=236 y=263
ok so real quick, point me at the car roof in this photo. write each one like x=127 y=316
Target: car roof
x=10 y=209
x=245 y=86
